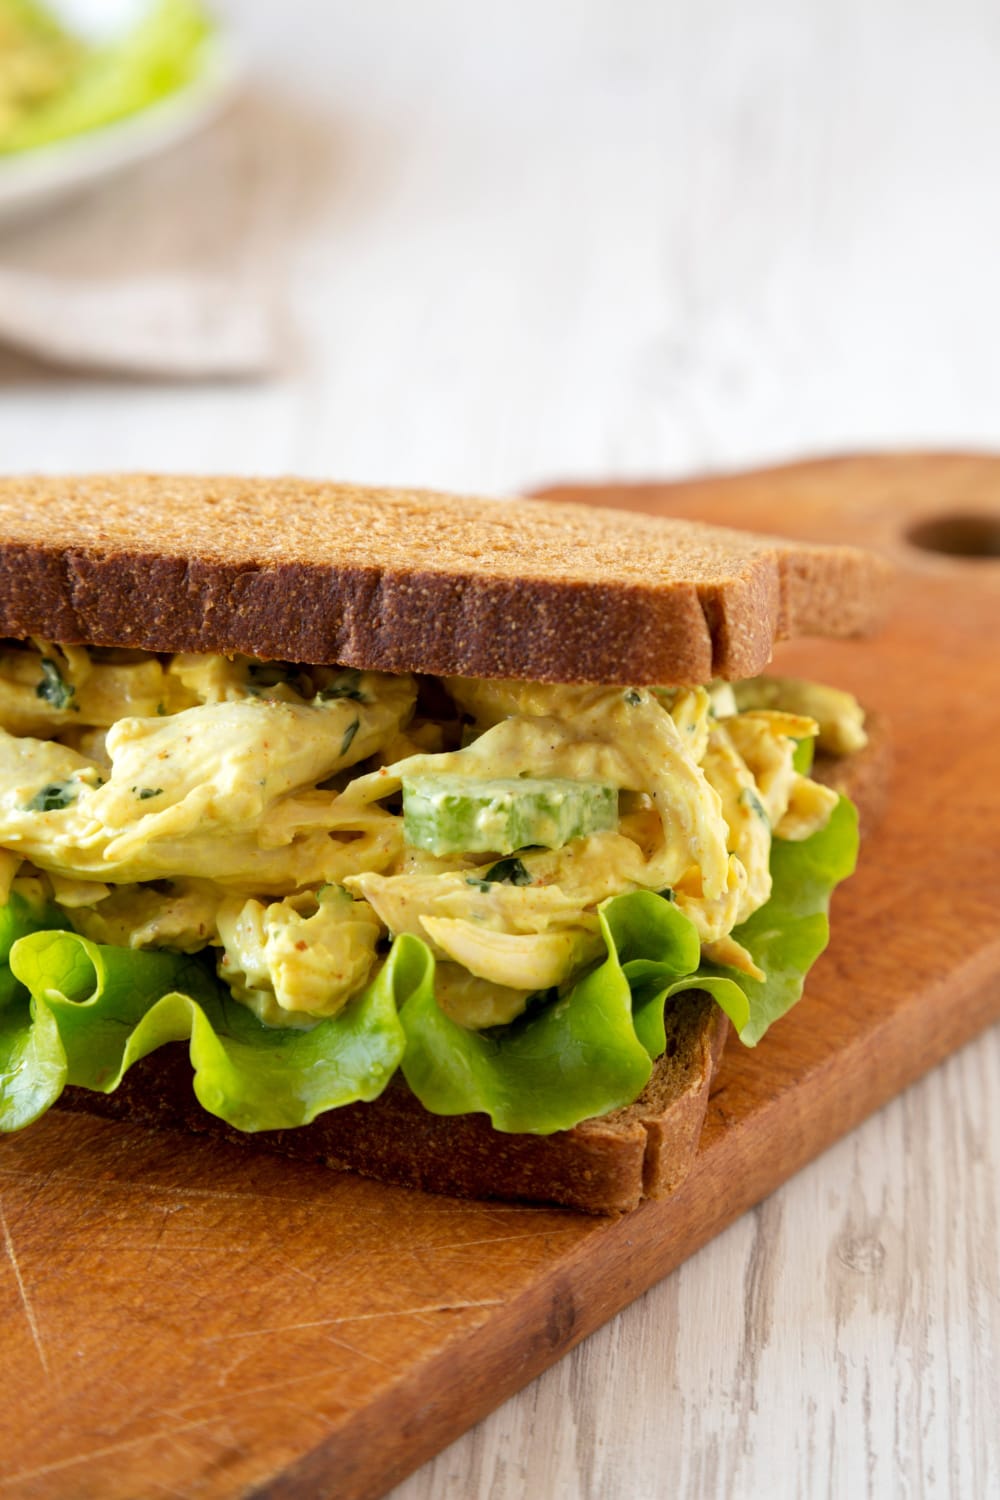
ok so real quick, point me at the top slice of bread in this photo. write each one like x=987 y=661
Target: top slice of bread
x=406 y=580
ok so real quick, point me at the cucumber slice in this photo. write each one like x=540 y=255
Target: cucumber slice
x=457 y=815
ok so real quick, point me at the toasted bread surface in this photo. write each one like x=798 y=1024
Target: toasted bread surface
x=405 y=580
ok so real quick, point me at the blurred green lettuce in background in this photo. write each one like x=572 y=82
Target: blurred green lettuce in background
x=55 y=84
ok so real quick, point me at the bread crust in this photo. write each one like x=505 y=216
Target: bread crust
x=405 y=580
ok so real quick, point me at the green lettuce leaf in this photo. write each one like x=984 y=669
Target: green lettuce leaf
x=95 y=1010
x=28 y=1081
x=75 y=1012
x=572 y=1056
x=805 y=751
x=788 y=933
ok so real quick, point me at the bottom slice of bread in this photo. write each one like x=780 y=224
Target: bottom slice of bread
x=602 y=1166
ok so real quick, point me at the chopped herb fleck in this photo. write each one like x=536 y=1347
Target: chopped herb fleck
x=632 y=697
x=349 y=734
x=504 y=872
x=54 y=688
x=750 y=799
x=145 y=792
x=508 y=872
x=268 y=674
x=161 y=709
x=344 y=685
x=54 y=797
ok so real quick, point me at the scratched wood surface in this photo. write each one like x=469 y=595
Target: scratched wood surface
x=181 y=1317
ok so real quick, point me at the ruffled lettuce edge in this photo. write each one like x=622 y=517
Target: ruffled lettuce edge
x=73 y=1012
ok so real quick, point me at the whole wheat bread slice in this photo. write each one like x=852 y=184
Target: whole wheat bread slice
x=403 y=580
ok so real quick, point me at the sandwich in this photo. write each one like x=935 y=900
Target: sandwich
x=436 y=838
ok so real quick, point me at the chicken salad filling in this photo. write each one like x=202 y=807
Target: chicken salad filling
x=292 y=826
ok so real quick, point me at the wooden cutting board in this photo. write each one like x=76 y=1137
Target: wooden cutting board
x=190 y=1318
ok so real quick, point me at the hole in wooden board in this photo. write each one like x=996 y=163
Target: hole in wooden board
x=972 y=536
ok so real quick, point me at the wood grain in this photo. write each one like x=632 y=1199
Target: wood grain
x=840 y=1340
x=183 y=1318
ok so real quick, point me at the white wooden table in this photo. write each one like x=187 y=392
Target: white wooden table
x=549 y=240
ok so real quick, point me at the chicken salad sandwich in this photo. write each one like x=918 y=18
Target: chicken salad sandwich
x=446 y=837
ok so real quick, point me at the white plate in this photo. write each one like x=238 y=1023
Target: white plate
x=39 y=176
